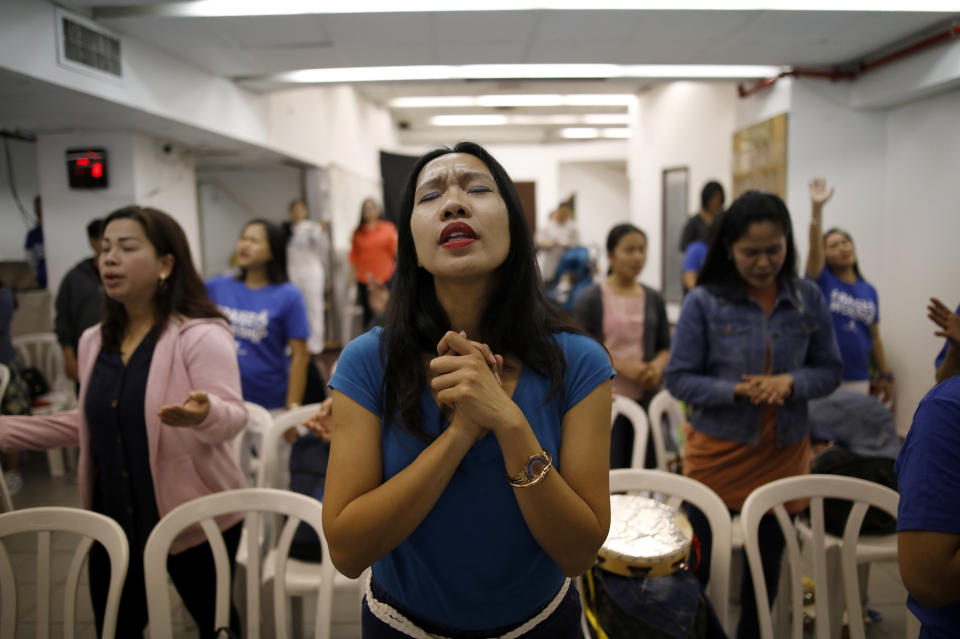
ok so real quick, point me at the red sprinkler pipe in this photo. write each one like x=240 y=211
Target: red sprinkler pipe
x=855 y=72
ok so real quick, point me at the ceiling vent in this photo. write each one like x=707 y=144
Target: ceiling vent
x=85 y=46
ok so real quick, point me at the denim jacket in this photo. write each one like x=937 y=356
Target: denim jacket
x=723 y=334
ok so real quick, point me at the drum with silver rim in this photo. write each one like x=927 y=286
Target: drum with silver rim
x=646 y=538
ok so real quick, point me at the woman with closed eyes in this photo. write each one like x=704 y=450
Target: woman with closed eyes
x=469 y=459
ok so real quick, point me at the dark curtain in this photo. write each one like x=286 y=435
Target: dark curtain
x=394 y=169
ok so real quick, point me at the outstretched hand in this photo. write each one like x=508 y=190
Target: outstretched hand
x=947 y=320
x=819 y=195
x=190 y=413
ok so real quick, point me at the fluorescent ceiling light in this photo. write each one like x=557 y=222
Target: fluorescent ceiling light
x=469 y=120
x=588 y=133
x=218 y=8
x=505 y=100
x=606 y=118
x=523 y=71
x=495 y=119
x=579 y=133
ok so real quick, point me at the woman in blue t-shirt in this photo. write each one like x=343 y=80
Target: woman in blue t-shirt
x=832 y=263
x=469 y=461
x=268 y=316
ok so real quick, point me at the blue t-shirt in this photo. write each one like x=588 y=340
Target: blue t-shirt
x=264 y=320
x=942 y=355
x=855 y=309
x=928 y=482
x=472 y=563
x=694 y=256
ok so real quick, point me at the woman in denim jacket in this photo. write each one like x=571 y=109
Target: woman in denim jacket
x=753 y=343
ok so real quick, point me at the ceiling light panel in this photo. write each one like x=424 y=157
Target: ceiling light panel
x=224 y=8
x=523 y=72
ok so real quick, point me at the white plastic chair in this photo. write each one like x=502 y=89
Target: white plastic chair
x=259 y=421
x=673 y=490
x=638 y=419
x=42 y=351
x=773 y=496
x=43 y=521
x=302 y=577
x=254 y=502
x=663 y=405
x=6 y=503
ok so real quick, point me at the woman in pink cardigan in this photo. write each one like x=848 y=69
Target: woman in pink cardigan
x=160 y=402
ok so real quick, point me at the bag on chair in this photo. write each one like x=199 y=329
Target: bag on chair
x=837 y=460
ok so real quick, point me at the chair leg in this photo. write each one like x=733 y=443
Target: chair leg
x=55 y=460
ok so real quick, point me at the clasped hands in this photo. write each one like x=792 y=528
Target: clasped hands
x=467 y=378
x=765 y=389
x=646 y=374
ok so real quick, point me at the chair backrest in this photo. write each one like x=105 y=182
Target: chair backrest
x=6 y=502
x=4 y=379
x=43 y=521
x=275 y=450
x=666 y=405
x=254 y=502
x=773 y=496
x=42 y=351
x=673 y=490
x=634 y=413
x=259 y=421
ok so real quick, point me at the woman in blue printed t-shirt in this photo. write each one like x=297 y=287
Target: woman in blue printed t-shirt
x=832 y=263
x=268 y=316
x=469 y=461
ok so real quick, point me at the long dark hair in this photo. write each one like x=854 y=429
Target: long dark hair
x=277 y=239
x=617 y=233
x=183 y=292
x=520 y=323
x=363 y=205
x=856 y=263
x=718 y=268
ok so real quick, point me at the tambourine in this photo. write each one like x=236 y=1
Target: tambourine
x=646 y=539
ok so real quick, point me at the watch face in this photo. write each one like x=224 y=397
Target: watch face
x=535 y=466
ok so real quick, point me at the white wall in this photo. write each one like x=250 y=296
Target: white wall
x=67 y=211
x=827 y=138
x=678 y=124
x=894 y=171
x=230 y=198
x=540 y=163
x=603 y=201
x=138 y=173
x=918 y=256
x=15 y=227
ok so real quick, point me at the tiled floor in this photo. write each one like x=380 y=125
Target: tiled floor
x=886 y=594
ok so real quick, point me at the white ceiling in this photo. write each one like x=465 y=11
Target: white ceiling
x=252 y=49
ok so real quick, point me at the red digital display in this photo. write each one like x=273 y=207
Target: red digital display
x=87 y=168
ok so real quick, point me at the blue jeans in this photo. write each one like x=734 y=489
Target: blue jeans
x=564 y=623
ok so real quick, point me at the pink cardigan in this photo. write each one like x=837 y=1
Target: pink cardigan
x=185 y=462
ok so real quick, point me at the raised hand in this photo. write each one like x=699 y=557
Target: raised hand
x=946 y=319
x=190 y=413
x=819 y=195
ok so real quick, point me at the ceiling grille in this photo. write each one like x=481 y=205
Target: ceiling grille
x=88 y=47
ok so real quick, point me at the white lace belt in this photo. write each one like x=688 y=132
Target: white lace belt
x=392 y=617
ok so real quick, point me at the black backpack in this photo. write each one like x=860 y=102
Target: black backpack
x=836 y=460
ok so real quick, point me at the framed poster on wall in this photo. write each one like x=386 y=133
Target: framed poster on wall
x=760 y=157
